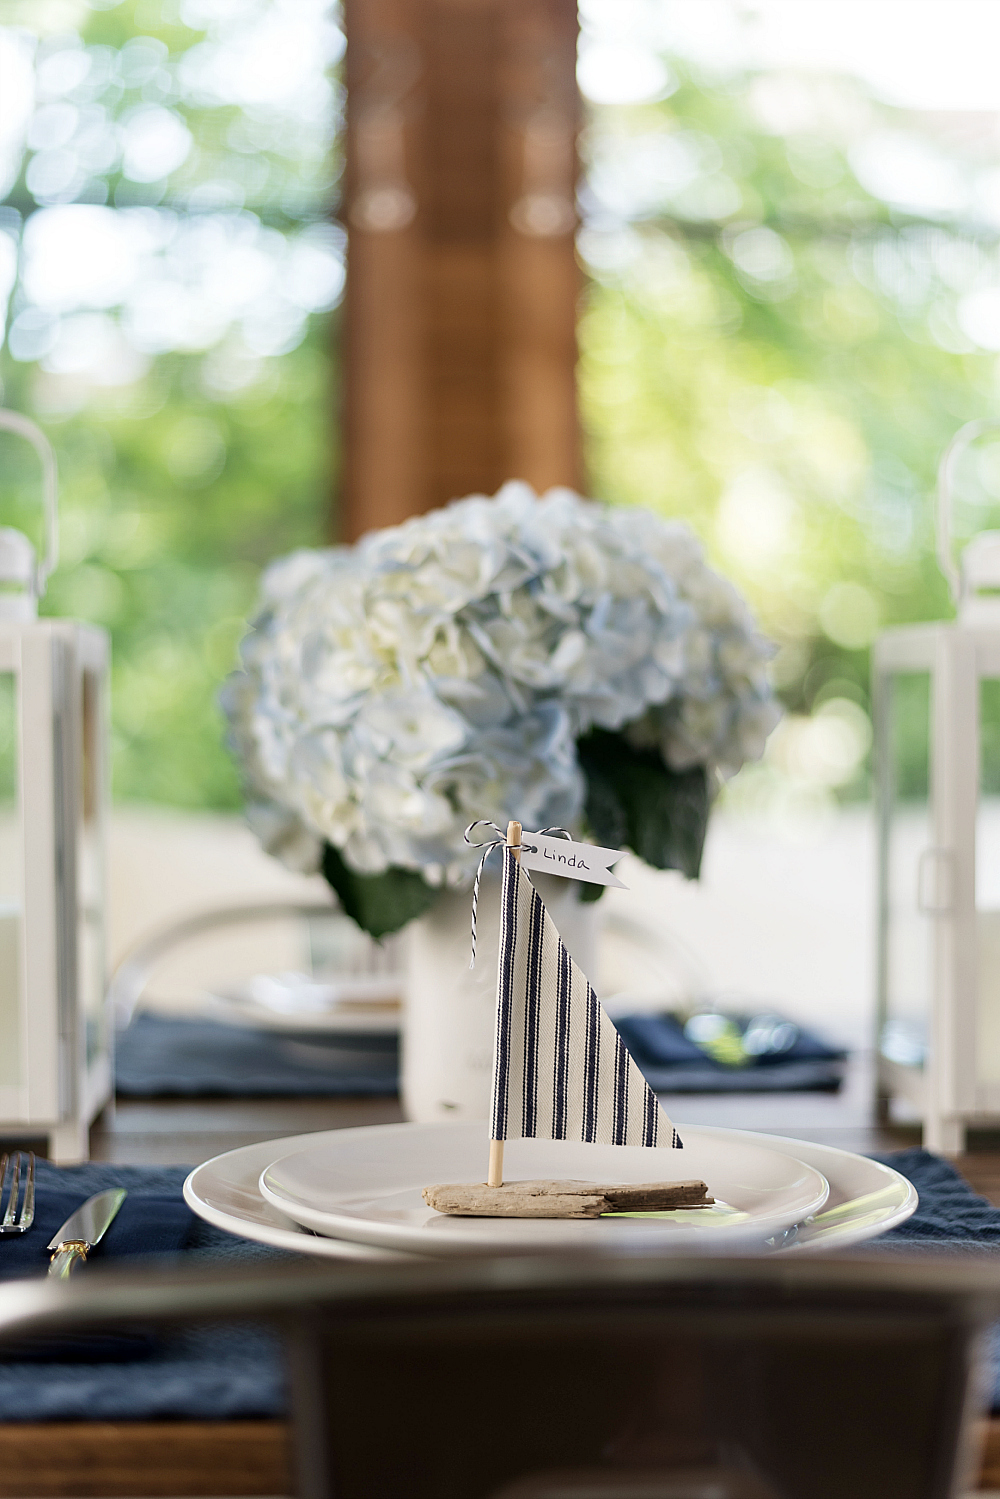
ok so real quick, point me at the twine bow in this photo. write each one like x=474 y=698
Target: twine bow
x=488 y=844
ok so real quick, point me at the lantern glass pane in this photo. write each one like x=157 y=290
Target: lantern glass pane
x=90 y=870
x=988 y=883
x=11 y=891
x=906 y=829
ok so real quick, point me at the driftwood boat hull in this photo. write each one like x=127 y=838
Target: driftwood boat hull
x=563 y=1199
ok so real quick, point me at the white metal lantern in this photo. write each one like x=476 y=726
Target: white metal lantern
x=936 y=696
x=55 y=1032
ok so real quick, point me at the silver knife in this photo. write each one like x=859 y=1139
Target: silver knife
x=83 y=1229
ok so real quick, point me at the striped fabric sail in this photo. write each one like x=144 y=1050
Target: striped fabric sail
x=561 y=1070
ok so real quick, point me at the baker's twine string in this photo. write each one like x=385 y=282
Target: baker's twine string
x=499 y=840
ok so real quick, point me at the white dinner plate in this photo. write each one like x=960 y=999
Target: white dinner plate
x=866 y=1198
x=364 y=1004
x=366 y=1184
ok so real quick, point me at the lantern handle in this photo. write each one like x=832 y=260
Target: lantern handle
x=13 y=421
x=962 y=439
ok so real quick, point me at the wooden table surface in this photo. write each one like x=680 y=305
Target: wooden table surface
x=182 y=1458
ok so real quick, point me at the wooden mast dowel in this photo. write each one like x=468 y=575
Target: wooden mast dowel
x=495 y=1175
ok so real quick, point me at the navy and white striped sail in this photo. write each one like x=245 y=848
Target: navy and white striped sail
x=561 y=1070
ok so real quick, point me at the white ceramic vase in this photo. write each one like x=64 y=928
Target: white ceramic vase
x=447 y=1039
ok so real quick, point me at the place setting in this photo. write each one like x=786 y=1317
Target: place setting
x=834 y=1198
x=572 y=1155
x=499 y=749
x=198 y=1013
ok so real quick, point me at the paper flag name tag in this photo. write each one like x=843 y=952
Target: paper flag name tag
x=576 y=861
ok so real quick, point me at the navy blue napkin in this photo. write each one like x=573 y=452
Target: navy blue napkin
x=160 y=1056
x=211 y=1372
x=659 y=1040
x=950 y=1217
x=147 y=1223
x=672 y=1062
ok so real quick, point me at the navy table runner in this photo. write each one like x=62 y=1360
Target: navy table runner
x=148 y=1222
x=221 y=1373
x=161 y=1056
x=950 y=1218
x=672 y=1062
x=206 y=1373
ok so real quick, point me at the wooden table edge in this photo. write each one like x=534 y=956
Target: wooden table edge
x=144 y=1459
x=156 y=1459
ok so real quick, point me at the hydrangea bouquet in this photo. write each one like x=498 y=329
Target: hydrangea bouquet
x=550 y=660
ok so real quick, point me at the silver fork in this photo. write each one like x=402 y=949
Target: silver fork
x=14 y=1223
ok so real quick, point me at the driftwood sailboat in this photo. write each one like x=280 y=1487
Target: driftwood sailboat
x=561 y=1071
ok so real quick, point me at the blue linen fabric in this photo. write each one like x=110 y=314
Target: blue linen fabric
x=672 y=1063
x=211 y=1373
x=160 y=1056
x=226 y=1373
x=146 y=1223
x=950 y=1219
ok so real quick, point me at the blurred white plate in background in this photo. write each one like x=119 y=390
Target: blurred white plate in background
x=368 y=1003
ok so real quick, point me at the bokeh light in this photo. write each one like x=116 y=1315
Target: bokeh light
x=794 y=302
x=168 y=264
x=790 y=226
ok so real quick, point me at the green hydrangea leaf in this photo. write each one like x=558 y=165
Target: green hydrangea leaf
x=379 y=903
x=635 y=800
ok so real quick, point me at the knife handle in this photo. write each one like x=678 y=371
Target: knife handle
x=66 y=1257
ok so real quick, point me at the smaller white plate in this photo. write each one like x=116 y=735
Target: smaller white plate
x=366 y=1184
x=224 y=1192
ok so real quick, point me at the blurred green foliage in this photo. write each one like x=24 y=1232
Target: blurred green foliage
x=169 y=562
x=909 y=725
x=784 y=374
x=8 y=741
x=179 y=485
x=768 y=350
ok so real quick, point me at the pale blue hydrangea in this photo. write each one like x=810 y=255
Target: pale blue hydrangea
x=441 y=671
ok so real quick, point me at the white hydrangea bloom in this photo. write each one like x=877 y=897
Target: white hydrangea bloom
x=442 y=670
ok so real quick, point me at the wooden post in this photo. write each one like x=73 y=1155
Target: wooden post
x=459 y=343
x=495 y=1174
x=381 y=331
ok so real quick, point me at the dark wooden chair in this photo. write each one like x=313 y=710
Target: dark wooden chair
x=771 y=1378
